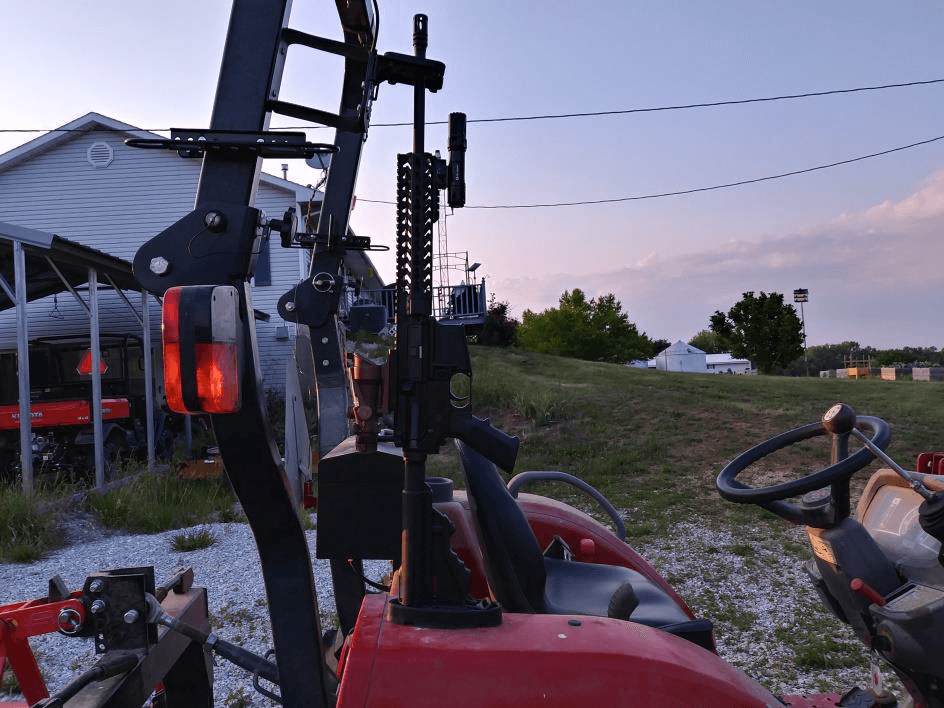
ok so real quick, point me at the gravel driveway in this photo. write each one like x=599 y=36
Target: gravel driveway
x=753 y=588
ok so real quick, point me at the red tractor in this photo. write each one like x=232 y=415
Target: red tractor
x=497 y=599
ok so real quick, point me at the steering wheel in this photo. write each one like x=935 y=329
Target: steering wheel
x=819 y=511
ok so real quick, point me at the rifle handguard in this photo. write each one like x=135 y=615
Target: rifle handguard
x=497 y=446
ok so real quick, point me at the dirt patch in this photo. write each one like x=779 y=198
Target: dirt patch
x=80 y=526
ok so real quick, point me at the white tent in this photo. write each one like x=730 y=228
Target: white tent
x=681 y=357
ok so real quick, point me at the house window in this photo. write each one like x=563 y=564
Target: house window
x=263 y=275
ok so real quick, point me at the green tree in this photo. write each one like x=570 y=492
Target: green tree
x=595 y=329
x=763 y=329
x=658 y=345
x=499 y=330
x=709 y=342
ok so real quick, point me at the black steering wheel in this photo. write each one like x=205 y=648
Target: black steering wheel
x=819 y=511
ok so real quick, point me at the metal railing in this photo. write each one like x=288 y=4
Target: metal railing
x=458 y=302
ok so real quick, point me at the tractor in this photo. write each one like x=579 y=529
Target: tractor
x=497 y=597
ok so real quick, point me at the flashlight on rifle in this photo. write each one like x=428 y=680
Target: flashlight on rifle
x=457 y=145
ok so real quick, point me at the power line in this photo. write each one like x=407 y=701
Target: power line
x=694 y=190
x=678 y=107
x=554 y=116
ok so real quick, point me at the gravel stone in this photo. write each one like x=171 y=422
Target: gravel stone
x=753 y=589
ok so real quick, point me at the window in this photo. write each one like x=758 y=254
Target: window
x=263 y=275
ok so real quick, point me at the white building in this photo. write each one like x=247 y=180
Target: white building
x=727 y=364
x=686 y=358
x=81 y=182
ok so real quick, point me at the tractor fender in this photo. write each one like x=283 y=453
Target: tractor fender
x=86 y=436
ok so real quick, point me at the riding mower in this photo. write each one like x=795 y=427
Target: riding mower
x=498 y=598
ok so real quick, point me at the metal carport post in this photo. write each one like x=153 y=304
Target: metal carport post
x=18 y=235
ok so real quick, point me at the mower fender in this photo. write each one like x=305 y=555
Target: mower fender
x=86 y=436
x=535 y=660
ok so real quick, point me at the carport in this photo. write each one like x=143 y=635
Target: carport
x=42 y=264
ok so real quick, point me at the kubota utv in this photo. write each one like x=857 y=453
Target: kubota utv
x=498 y=599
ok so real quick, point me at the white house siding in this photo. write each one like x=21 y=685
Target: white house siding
x=115 y=209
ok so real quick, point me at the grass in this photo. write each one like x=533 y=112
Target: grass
x=192 y=540
x=654 y=441
x=26 y=533
x=161 y=502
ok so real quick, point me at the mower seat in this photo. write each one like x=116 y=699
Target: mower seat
x=524 y=580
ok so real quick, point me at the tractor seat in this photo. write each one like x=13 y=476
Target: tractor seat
x=525 y=580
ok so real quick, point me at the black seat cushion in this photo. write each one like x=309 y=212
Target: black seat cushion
x=523 y=580
x=574 y=588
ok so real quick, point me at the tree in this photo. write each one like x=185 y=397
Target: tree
x=709 y=342
x=499 y=330
x=658 y=345
x=596 y=330
x=763 y=329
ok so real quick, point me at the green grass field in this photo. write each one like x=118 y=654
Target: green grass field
x=654 y=441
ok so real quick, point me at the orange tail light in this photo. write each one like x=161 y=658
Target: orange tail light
x=203 y=356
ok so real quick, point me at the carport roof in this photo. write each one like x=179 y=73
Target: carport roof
x=72 y=259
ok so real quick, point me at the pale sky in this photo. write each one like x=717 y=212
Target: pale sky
x=863 y=238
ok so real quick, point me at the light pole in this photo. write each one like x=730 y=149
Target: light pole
x=802 y=295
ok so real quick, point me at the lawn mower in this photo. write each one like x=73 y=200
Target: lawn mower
x=497 y=598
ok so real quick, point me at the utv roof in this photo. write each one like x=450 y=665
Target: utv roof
x=45 y=254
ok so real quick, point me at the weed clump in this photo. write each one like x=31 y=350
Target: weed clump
x=161 y=502
x=192 y=540
x=26 y=533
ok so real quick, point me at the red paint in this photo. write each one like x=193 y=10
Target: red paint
x=50 y=414
x=861 y=587
x=18 y=622
x=535 y=660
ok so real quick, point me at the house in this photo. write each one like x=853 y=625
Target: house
x=82 y=183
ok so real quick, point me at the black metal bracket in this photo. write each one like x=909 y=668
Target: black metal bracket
x=266 y=144
x=216 y=244
x=115 y=602
x=395 y=68
x=315 y=299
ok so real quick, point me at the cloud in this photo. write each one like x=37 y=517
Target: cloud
x=926 y=203
x=876 y=277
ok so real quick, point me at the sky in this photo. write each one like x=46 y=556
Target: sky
x=863 y=238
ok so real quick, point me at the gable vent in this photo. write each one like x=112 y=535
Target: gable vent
x=100 y=155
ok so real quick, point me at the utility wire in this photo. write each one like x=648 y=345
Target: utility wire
x=679 y=107
x=695 y=190
x=551 y=116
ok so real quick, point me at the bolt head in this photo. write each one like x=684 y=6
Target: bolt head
x=69 y=621
x=215 y=221
x=325 y=362
x=131 y=616
x=96 y=586
x=159 y=265
x=97 y=607
x=290 y=306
